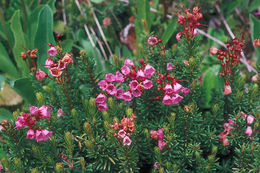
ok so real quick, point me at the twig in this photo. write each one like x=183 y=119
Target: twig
x=63 y=12
x=99 y=43
x=85 y=26
x=100 y=30
x=212 y=38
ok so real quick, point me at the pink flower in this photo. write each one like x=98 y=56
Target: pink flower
x=155 y=165
x=213 y=51
x=176 y=99
x=148 y=71
x=127 y=96
x=167 y=100
x=136 y=93
x=127 y=141
x=42 y=135
x=154 y=134
x=62 y=64
x=49 y=62
x=195 y=32
x=147 y=84
x=44 y=112
x=125 y=70
x=227 y=127
x=102 y=84
x=161 y=144
x=243 y=115
x=140 y=74
x=177 y=87
x=107 y=22
x=170 y=66
x=102 y=107
x=60 y=113
x=185 y=91
x=30 y=134
x=168 y=89
x=110 y=77
x=250 y=119
x=160 y=134
x=249 y=131
x=128 y=62
x=256 y=43
x=231 y=122
x=20 y=122
x=133 y=85
x=186 y=63
x=225 y=142
x=34 y=110
x=55 y=72
x=41 y=74
x=255 y=77
x=52 y=51
x=101 y=98
x=111 y=89
x=119 y=77
x=152 y=40
x=227 y=89
x=178 y=36
x=121 y=133
x=119 y=93
x=67 y=58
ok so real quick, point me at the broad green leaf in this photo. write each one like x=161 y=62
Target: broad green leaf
x=44 y=34
x=5 y=114
x=143 y=13
x=19 y=41
x=96 y=1
x=51 y=4
x=6 y=64
x=67 y=45
x=211 y=81
x=24 y=88
x=171 y=28
x=254 y=5
x=255 y=32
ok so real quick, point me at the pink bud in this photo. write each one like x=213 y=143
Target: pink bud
x=154 y=134
x=255 y=77
x=250 y=119
x=213 y=50
x=249 y=131
x=227 y=89
x=128 y=62
x=186 y=63
x=161 y=144
x=147 y=84
x=20 y=122
x=195 y=32
x=170 y=66
x=185 y=91
x=41 y=74
x=155 y=165
x=160 y=134
x=52 y=51
x=60 y=113
x=101 y=98
x=107 y=22
x=30 y=134
x=225 y=142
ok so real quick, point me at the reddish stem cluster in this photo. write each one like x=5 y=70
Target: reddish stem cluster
x=30 y=63
x=189 y=22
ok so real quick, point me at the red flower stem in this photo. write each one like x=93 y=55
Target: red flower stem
x=27 y=65
x=51 y=78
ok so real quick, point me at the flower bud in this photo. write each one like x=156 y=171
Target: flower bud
x=82 y=163
x=92 y=103
x=82 y=53
x=192 y=61
x=75 y=118
x=129 y=112
x=18 y=164
x=88 y=144
x=147 y=133
x=214 y=150
x=111 y=102
x=157 y=151
x=34 y=170
x=59 y=167
x=105 y=115
x=168 y=165
x=40 y=98
x=87 y=128
x=47 y=89
x=239 y=96
x=172 y=118
x=161 y=170
x=215 y=109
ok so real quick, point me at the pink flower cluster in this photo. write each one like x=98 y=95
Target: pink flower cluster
x=170 y=88
x=158 y=135
x=54 y=68
x=30 y=120
x=124 y=129
x=140 y=80
x=228 y=126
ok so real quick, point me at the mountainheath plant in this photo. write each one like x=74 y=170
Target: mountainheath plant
x=141 y=113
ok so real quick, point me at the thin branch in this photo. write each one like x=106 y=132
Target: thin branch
x=85 y=26
x=99 y=43
x=100 y=30
x=212 y=38
x=63 y=12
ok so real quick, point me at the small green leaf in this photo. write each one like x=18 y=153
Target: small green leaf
x=24 y=88
x=97 y=1
x=18 y=33
x=44 y=34
x=5 y=114
x=171 y=28
x=255 y=31
x=6 y=64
